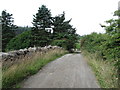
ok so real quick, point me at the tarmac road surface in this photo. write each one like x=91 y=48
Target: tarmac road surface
x=69 y=71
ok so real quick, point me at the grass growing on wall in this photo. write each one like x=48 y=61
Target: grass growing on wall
x=29 y=66
x=105 y=71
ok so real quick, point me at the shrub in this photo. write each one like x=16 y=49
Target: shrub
x=19 y=42
x=61 y=43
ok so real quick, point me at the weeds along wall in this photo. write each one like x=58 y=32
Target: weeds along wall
x=12 y=57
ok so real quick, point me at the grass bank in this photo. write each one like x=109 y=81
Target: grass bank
x=105 y=71
x=28 y=66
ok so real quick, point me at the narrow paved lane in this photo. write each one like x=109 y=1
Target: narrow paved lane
x=69 y=71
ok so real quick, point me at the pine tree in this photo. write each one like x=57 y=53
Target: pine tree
x=8 y=28
x=64 y=31
x=61 y=26
x=41 y=21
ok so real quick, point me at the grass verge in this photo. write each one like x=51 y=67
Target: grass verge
x=28 y=66
x=105 y=71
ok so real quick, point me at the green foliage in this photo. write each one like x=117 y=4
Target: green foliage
x=61 y=43
x=21 y=29
x=41 y=21
x=113 y=45
x=46 y=30
x=8 y=28
x=68 y=42
x=64 y=31
x=107 y=45
x=93 y=41
x=77 y=46
x=117 y=13
x=60 y=25
x=19 y=42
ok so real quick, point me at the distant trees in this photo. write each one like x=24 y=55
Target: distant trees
x=8 y=28
x=21 y=29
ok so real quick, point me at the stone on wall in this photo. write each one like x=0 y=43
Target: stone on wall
x=12 y=56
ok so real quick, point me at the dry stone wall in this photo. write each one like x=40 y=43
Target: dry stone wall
x=12 y=56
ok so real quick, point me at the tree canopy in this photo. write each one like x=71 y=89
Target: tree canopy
x=41 y=21
x=46 y=30
x=8 y=28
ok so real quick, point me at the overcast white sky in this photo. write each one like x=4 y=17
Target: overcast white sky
x=86 y=14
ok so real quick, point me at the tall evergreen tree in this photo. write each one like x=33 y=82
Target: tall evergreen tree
x=61 y=26
x=41 y=21
x=64 y=31
x=8 y=28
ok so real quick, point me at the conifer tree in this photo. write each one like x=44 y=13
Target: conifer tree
x=41 y=21
x=8 y=28
x=61 y=26
x=64 y=31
